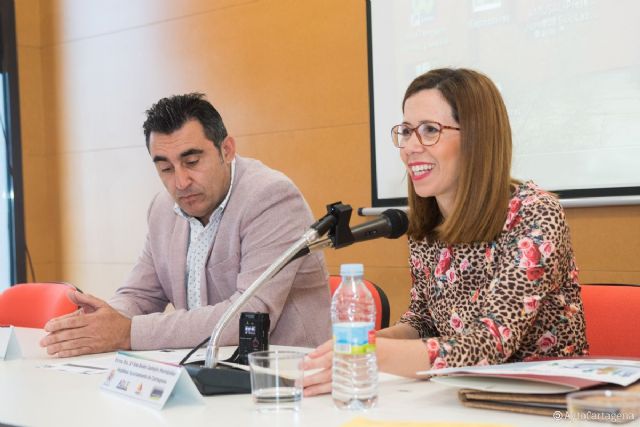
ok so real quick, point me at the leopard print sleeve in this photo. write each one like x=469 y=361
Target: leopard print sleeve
x=418 y=315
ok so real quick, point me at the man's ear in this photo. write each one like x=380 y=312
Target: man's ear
x=228 y=149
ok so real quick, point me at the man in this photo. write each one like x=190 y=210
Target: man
x=223 y=220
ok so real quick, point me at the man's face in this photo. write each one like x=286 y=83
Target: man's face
x=192 y=169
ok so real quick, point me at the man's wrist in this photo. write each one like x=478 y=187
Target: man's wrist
x=126 y=339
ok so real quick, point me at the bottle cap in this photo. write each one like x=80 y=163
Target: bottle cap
x=351 y=270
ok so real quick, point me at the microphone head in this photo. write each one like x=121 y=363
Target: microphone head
x=398 y=222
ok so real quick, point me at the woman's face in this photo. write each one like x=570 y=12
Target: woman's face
x=434 y=170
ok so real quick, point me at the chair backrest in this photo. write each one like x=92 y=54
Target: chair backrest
x=380 y=298
x=612 y=315
x=31 y=305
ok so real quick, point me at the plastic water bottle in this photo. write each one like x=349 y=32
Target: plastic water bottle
x=353 y=314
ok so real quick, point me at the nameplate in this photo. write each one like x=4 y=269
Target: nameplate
x=9 y=347
x=149 y=381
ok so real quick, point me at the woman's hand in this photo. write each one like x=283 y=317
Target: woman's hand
x=320 y=358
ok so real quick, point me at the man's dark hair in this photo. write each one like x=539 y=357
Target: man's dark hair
x=170 y=114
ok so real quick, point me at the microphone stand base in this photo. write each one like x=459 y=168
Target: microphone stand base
x=219 y=380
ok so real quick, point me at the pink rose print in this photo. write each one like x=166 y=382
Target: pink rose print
x=451 y=276
x=445 y=254
x=546 y=248
x=456 y=323
x=488 y=254
x=513 y=218
x=493 y=330
x=525 y=243
x=414 y=294
x=504 y=332
x=530 y=257
x=534 y=273
x=464 y=265
x=514 y=205
x=529 y=201
x=570 y=349
x=531 y=303
x=433 y=349
x=416 y=262
x=444 y=262
x=546 y=341
x=439 y=363
x=513 y=222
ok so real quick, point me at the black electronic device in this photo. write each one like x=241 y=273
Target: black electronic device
x=254 y=336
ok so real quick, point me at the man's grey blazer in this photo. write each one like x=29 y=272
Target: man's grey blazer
x=265 y=214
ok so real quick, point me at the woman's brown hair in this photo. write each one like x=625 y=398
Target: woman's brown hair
x=483 y=190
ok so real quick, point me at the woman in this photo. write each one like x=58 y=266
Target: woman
x=494 y=276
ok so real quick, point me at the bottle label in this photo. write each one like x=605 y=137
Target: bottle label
x=354 y=338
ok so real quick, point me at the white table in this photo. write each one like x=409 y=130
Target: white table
x=34 y=396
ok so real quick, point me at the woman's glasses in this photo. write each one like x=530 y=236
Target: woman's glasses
x=428 y=133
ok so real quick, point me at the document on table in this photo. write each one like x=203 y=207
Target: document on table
x=96 y=365
x=572 y=372
x=101 y=364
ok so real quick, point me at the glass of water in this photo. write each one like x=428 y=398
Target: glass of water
x=276 y=379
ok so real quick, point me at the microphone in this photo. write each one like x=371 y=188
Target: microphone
x=391 y=224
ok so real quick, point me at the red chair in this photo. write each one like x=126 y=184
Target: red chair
x=382 y=302
x=31 y=305
x=612 y=315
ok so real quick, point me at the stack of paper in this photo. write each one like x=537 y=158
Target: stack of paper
x=536 y=387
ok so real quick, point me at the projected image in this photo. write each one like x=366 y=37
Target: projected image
x=569 y=72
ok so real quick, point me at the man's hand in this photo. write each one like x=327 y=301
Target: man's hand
x=95 y=328
x=320 y=358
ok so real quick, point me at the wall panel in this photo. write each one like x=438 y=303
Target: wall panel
x=39 y=168
x=288 y=76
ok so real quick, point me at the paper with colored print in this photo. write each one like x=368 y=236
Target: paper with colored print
x=571 y=373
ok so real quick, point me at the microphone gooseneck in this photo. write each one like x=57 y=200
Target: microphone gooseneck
x=392 y=224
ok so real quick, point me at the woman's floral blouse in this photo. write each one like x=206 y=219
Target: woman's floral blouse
x=516 y=298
